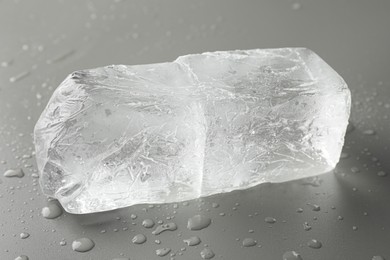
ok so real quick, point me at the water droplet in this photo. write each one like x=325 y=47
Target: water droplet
x=198 y=222
x=24 y=235
x=248 y=242
x=314 y=207
x=133 y=216
x=121 y=258
x=270 y=220
x=63 y=243
x=14 y=173
x=306 y=226
x=340 y=217
x=139 y=239
x=292 y=255
x=369 y=132
x=52 y=210
x=344 y=155
x=315 y=244
x=83 y=244
x=296 y=6
x=192 y=241
x=378 y=257
x=163 y=251
x=215 y=205
x=164 y=227
x=148 y=223
x=19 y=76
x=207 y=253
x=22 y=257
x=355 y=169
x=354 y=228
x=300 y=210
x=382 y=174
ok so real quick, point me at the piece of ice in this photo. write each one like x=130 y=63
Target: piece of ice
x=204 y=124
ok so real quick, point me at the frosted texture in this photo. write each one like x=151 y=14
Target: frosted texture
x=204 y=124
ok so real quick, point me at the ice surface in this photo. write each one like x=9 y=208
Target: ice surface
x=204 y=124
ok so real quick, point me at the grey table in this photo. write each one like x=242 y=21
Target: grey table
x=43 y=41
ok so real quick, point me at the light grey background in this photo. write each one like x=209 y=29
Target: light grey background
x=43 y=41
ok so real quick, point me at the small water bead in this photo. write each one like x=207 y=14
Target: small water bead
x=192 y=241
x=382 y=174
x=248 y=242
x=164 y=227
x=355 y=169
x=24 y=235
x=52 y=210
x=354 y=228
x=198 y=222
x=292 y=255
x=121 y=258
x=22 y=257
x=14 y=173
x=139 y=239
x=306 y=226
x=63 y=243
x=296 y=6
x=133 y=216
x=314 y=207
x=207 y=253
x=215 y=205
x=315 y=244
x=163 y=251
x=378 y=257
x=83 y=244
x=270 y=220
x=344 y=155
x=369 y=132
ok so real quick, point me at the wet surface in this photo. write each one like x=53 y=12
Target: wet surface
x=343 y=214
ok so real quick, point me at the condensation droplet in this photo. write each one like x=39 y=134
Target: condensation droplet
x=14 y=173
x=198 y=222
x=83 y=244
x=378 y=257
x=139 y=239
x=164 y=227
x=148 y=223
x=315 y=244
x=296 y=6
x=369 y=132
x=24 y=235
x=52 y=210
x=192 y=241
x=270 y=220
x=292 y=255
x=207 y=253
x=22 y=257
x=306 y=226
x=248 y=242
x=163 y=251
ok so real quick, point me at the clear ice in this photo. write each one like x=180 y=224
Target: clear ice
x=203 y=124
